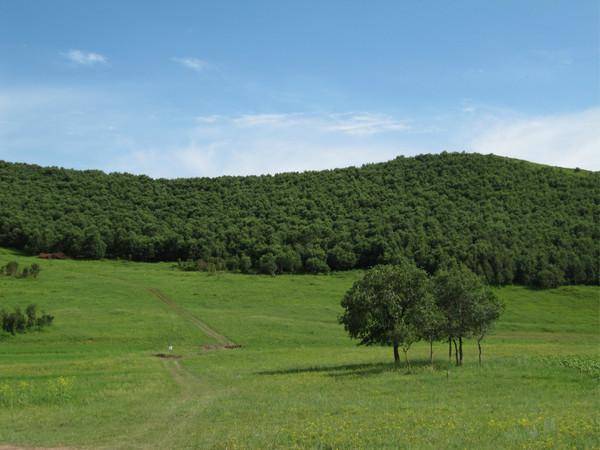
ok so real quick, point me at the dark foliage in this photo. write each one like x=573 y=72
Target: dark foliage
x=509 y=221
x=12 y=269
x=17 y=321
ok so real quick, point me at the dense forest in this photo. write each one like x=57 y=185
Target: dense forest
x=508 y=220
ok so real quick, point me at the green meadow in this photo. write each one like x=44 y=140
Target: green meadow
x=93 y=380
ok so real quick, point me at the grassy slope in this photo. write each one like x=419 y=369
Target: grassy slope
x=298 y=381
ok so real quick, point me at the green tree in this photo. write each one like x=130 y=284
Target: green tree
x=316 y=265
x=341 y=257
x=233 y=263
x=430 y=321
x=289 y=261
x=381 y=307
x=93 y=245
x=461 y=296
x=486 y=313
x=267 y=264
x=245 y=264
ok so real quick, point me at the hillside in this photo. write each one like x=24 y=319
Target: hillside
x=92 y=379
x=509 y=220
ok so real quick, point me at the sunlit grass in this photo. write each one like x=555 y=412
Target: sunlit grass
x=298 y=381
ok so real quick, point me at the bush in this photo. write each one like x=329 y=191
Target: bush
x=20 y=320
x=34 y=270
x=31 y=312
x=17 y=321
x=267 y=264
x=316 y=265
x=233 y=263
x=549 y=278
x=12 y=268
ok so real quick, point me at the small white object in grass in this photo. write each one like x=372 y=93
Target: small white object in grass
x=170 y=347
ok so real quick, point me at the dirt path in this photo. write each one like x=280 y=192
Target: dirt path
x=186 y=380
x=222 y=340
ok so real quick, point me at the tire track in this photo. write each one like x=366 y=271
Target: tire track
x=186 y=380
x=222 y=340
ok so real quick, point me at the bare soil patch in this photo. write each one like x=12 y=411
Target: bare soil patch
x=55 y=255
x=164 y=355
x=216 y=347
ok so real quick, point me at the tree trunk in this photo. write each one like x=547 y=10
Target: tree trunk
x=455 y=351
x=406 y=357
x=431 y=353
x=460 y=349
x=396 y=354
x=449 y=349
x=479 y=345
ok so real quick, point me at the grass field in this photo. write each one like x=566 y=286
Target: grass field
x=92 y=379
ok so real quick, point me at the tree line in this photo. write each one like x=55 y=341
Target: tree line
x=507 y=220
x=398 y=305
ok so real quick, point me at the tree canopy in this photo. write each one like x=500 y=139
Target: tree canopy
x=397 y=305
x=381 y=307
x=509 y=221
x=469 y=308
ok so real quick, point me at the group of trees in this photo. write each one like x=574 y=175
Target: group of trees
x=21 y=322
x=398 y=305
x=509 y=221
x=12 y=269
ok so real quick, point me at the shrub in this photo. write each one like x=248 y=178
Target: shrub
x=20 y=320
x=31 y=312
x=316 y=265
x=267 y=264
x=12 y=268
x=245 y=264
x=17 y=321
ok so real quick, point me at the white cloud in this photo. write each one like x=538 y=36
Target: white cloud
x=568 y=140
x=98 y=129
x=357 y=124
x=366 y=124
x=268 y=156
x=192 y=63
x=84 y=59
x=275 y=143
x=269 y=120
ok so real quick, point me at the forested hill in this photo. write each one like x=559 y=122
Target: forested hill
x=509 y=220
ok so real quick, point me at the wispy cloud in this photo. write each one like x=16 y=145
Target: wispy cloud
x=366 y=124
x=79 y=58
x=275 y=143
x=97 y=129
x=567 y=140
x=274 y=121
x=558 y=58
x=192 y=63
x=357 y=124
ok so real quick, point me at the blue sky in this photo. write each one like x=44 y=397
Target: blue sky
x=209 y=88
